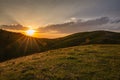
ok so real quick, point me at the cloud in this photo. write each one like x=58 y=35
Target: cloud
x=76 y=25
x=13 y=27
x=116 y=21
x=112 y=26
x=115 y=28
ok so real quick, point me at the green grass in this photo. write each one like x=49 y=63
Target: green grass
x=90 y=62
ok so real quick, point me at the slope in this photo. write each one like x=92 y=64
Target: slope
x=83 y=38
x=90 y=62
x=12 y=43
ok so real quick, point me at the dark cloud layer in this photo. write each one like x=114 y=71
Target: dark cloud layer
x=13 y=27
x=116 y=21
x=74 y=25
x=77 y=26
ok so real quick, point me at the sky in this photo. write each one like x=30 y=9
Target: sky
x=61 y=17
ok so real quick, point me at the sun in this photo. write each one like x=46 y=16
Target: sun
x=30 y=32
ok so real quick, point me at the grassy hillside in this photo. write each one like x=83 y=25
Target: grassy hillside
x=13 y=45
x=94 y=37
x=90 y=62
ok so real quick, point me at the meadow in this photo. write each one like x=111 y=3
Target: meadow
x=86 y=62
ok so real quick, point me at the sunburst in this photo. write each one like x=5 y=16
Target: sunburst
x=30 y=32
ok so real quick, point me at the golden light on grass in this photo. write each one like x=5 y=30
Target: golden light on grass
x=30 y=32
